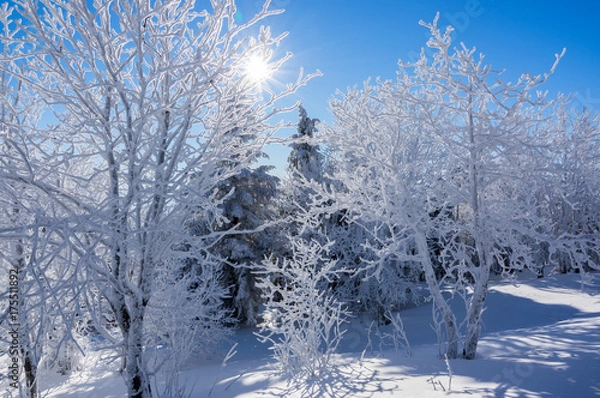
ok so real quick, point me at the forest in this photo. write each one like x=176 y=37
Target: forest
x=136 y=219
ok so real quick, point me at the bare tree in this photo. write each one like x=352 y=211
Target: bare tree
x=38 y=310
x=439 y=159
x=139 y=93
x=302 y=320
x=570 y=201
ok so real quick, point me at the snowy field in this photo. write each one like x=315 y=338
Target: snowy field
x=540 y=338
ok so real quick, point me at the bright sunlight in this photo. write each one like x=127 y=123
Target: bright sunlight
x=258 y=69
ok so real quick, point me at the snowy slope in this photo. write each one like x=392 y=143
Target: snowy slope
x=541 y=338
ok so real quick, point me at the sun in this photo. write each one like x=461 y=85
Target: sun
x=258 y=69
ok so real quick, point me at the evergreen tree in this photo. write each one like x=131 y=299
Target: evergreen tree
x=305 y=158
x=247 y=208
x=350 y=239
x=245 y=196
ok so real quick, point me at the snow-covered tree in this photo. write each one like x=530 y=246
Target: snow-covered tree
x=302 y=319
x=141 y=94
x=311 y=172
x=441 y=156
x=246 y=206
x=569 y=199
x=39 y=308
x=38 y=305
x=305 y=166
x=248 y=209
x=305 y=159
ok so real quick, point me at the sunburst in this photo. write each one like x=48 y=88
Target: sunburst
x=258 y=69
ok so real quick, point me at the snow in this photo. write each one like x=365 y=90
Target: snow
x=540 y=338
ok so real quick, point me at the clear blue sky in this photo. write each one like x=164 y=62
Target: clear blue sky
x=350 y=41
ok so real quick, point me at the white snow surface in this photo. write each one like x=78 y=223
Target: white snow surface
x=540 y=338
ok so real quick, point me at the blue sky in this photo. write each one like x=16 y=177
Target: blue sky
x=350 y=41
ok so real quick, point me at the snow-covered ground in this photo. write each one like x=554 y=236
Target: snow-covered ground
x=541 y=338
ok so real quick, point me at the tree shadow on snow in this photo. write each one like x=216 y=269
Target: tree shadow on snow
x=345 y=381
x=507 y=312
x=557 y=360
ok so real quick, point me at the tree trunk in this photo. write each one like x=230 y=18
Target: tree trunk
x=138 y=383
x=478 y=299
x=482 y=242
x=474 y=320
x=436 y=294
x=131 y=323
x=30 y=369
x=29 y=362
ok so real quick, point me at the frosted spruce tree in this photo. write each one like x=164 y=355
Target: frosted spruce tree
x=312 y=176
x=305 y=159
x=246 y=207
x=303 y=319
x=248 y=212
